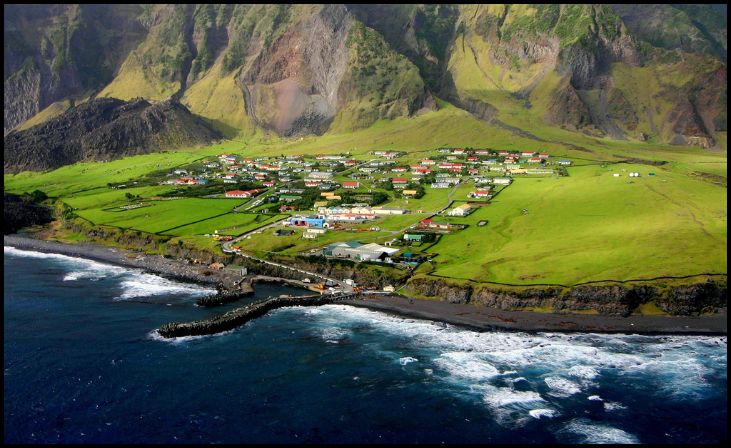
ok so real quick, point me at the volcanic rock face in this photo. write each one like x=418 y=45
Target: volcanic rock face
x=104 y=129
x=607 y=70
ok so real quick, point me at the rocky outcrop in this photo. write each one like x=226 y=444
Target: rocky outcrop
x=612 y=299
x=19 y=212
x=441 y=289
x=104 y=129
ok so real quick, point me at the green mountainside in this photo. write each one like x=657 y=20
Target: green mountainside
x=654 y=73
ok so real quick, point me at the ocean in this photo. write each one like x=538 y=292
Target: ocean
x=84 y=365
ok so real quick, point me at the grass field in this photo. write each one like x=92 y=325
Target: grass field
x=160 y=216
x=592 y=226
x=229 y=224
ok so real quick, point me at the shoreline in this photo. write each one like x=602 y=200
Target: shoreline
x=156 y=264
x=465 y=315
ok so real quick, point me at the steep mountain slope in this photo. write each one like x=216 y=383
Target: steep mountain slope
x=567 y=66
x=56 y=52
x=104 y=129
x=288 y=64
x=548 y=72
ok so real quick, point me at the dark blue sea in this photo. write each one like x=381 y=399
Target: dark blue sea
x=83 y=364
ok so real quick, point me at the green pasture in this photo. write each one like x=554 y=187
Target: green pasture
x=105 y=197
x=592 y=226
x=160 y=216
x=229 y=224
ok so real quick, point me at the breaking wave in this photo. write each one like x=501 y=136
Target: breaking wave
x=512 y=372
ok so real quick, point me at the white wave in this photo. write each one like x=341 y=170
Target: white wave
x=567 y=363
x=333 y=335
x=504 y=396
x=597 y=433
x=583 y=372
x=594 y=398
x=406 y=360
x=466 y=365
x=145 y=285
x=155 y=336
x=614 y=406
x=538 y=413
x=83 y=268
x=562 y=387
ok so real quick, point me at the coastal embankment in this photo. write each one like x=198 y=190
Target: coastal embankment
x=480 y=314
x=239 y=316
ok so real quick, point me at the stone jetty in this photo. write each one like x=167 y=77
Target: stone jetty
x=223 y=297
x=240 y=316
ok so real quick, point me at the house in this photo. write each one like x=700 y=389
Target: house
x=268 y=183
x=518 y=171
x=388 y=211
x=320 y=175
x=460 y=210
x=285 y=208
x=242 y=193
x=481 y=194
x=351 y=185
x=543 y=155
x=399 y=169
x=563 y=162
x=357 y=251
x=527 y=153
x=399 y=181
x=290 y=197
x=312 y=183
x=350 y=162
x=283 y=232
x=501 y=180
x=428 y=162
x=441 y=185
x=428 y=223
x=538 y=171
x=308 y=221
x=535 y=160
x=451 y=166
x=409 y=192
x=421 y=171
x=413 y=237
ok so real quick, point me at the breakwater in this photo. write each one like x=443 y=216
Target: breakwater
x=240 y=316
x=223 y=297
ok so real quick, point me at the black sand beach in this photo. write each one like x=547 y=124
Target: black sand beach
x=476 y=317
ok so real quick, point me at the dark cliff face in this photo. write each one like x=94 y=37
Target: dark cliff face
x=104 y=129
x=19 y=212
x=53 y=52
x=685 y=300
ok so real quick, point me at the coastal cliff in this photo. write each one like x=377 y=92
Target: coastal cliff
x=606 y=299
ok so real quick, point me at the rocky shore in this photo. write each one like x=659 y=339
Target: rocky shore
x=225 y=279
x=484 y=319
x=473 y=315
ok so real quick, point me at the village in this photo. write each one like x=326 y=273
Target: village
x=388 y=209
